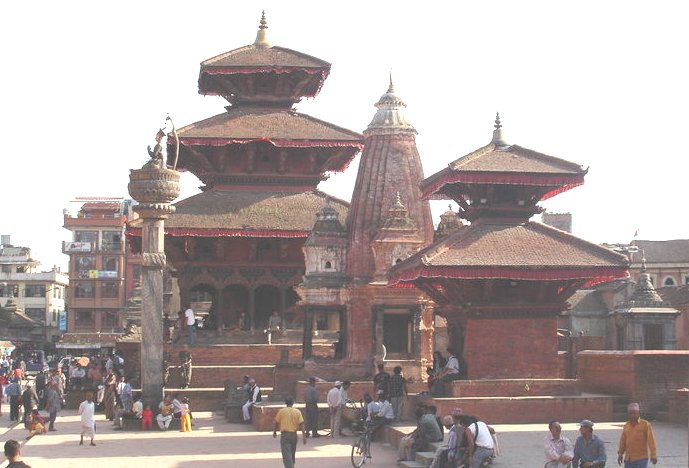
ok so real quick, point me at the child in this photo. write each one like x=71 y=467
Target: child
x=36 y=424
x=185 y=423
x=147 y=418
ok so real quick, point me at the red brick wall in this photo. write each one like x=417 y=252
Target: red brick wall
x=511 y=348
x=514 y=387
x=678 y=406
x=514 y=410
x=647 y=377
x=245 y=353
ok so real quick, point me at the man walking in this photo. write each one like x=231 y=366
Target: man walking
x=636 y=441
x=287 y=421
x=344 y=398
x=14 y=391
x=589 y=450
x=333 y=400
x=559 y=450
x=311 y=400
x=53 y=403
x=190 y=320
x=87 y=411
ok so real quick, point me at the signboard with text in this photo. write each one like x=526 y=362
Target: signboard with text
x=77 y=246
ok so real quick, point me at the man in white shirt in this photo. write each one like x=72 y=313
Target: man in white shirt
x=333 y=399
x=480 y=443
x=379 y=412
x=559 y=450
x=87 y=411
x=190 y=320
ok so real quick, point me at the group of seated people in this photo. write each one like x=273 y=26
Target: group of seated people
x=171 y=408
x=470 y=441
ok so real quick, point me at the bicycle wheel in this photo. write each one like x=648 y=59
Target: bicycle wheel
x=359 y=452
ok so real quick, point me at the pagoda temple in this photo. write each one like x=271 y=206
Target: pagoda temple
x=347 y=265
x=502 y=281
x=237 y=246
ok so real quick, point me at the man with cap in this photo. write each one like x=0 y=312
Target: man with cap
x=333 y=399
x=311 y=400
x=254 y=397
x=589 y=450
x=636 y=441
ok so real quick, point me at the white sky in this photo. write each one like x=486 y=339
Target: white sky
x=85 y=85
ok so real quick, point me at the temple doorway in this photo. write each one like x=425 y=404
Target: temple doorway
x=266 y=300
x=235 y=300
x=397 y=332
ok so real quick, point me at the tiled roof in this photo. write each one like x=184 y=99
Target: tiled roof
x=252 y=56
x=251 y=211
x=506 y=249
x=678 y=296
x=507 y=165
x=513 y=158
x=280 y=127
x=669 y=251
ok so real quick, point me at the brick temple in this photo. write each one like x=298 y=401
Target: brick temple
x=502 y=281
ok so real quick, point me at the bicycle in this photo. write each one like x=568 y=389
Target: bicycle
x=361 y=449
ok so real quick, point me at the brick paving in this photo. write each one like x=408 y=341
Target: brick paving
x=216 y=443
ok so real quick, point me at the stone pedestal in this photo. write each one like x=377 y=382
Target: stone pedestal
x=154 y=187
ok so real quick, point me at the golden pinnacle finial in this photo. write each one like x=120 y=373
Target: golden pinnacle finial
x=391 y=88
x=497 y=120
x=261 y=35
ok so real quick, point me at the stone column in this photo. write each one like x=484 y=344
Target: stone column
x=154 y=187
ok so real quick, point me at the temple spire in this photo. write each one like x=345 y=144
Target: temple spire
x=391 y=88
x=390 y=114
x=261 y=35
x=497 y=133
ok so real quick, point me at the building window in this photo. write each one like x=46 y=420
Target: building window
x=112 y=241
x=111 y=263
x=86 y=236
x=110 y=319
x=7 y=268
x=38 y=313
x=669 y=281
x=84 y=290
x=7 y=290
x=34 y=290
x=85 y=263
x=109 y=289
x=686 y=279
x=328 y=265
x=84 y=317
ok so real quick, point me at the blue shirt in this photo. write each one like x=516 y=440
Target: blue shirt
x=589 y=451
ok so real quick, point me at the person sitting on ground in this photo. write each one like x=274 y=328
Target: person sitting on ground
x=480 y=442
x=14 y=455
x=36 y=424
x=254 y=398
x=164 y=416
x=589 y=449
x=137 y=407
x=559 y=450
